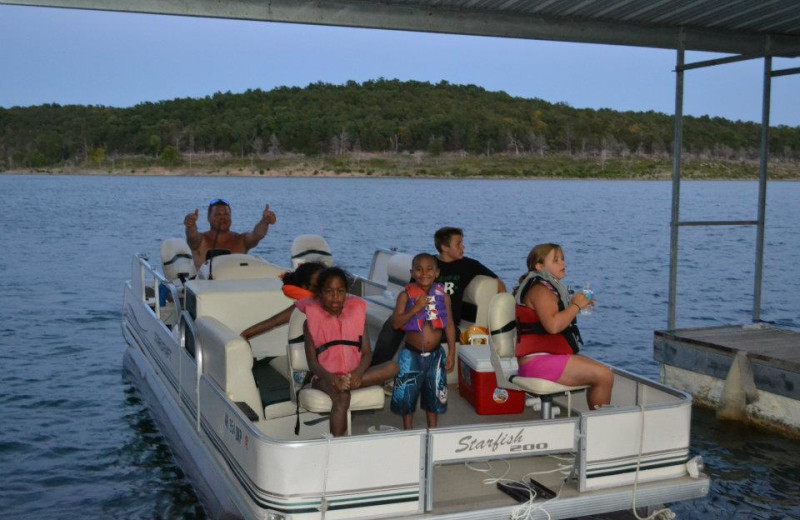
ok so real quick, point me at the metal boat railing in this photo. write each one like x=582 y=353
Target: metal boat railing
x=148 y=276
x=196 y=351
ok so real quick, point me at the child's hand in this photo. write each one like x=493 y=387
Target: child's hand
x=341 y=382
x=450 y=364
x=355 y=381
x=419 y=304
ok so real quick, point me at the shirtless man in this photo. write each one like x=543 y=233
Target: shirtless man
x=220 y=235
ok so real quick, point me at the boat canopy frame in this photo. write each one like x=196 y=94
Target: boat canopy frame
x=747 y=29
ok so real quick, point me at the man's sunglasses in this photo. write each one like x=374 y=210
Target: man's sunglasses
x=218 y=202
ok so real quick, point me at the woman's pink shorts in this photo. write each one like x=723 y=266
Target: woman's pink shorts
x=547 y=366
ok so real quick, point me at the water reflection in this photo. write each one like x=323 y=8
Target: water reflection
x=169 y=494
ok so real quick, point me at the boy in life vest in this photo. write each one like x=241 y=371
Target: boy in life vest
x=337 y=346
x=423 y=312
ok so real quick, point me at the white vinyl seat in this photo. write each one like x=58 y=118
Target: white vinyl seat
x=239 y=266
x=176 y=260
x=178 y=267
x=502 y=342
x=475 y=302
x=311 y=399
x=310 y=248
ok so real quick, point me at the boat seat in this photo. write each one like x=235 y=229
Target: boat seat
x=228 y=361
x=310 y=248
x=176 y=260
x=240 y=267
x=398 y=274
x=240 y=303
x=311 y=399
x=475 y=302
x=381 y=295
x=502 y=342
x=178 y=267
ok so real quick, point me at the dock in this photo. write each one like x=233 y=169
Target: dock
x=746 y=372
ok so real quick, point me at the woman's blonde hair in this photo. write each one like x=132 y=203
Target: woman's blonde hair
x=537 y=256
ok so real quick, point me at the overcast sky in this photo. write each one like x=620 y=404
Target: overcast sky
x=87 y=57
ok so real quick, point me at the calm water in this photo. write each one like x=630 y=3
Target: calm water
x=76 y=441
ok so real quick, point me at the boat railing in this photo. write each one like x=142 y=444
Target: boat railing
x=147 y=277
x=190 y=342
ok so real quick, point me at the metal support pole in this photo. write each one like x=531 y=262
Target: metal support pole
x=677 y=148
x=762 y=188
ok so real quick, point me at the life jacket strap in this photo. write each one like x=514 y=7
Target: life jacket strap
x=347 y=343
x=531 y=328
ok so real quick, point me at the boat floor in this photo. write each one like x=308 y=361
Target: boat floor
x=459 y=413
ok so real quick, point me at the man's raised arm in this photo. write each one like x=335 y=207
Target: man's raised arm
x=252 y=238
x=193 y=237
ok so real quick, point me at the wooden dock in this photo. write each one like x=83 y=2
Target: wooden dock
x=756 y=366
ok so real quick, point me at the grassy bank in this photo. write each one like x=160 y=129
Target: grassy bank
x=427 y=165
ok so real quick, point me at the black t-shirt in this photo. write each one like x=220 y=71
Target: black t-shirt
x=456 y=276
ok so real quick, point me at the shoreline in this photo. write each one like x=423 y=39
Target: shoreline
x=426 y=166
x=357 y=175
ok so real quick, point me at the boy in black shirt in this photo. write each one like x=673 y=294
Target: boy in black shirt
x=456 y=271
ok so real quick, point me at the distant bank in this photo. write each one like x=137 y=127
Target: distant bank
x=426 y=165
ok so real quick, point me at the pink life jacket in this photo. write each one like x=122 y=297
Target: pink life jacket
x=336 y=338
x=435 y=312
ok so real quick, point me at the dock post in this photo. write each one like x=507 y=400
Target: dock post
x=677 y=148
x=762 y=184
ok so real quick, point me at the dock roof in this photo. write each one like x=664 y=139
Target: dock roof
x=750 y=27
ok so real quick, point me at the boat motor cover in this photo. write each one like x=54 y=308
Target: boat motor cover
x=176 y=259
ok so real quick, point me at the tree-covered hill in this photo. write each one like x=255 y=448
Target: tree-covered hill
x=375 y=116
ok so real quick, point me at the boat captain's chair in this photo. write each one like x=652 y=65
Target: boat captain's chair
x=502 y=344
x=311 y=248
x=311 y=399
x=176 y=261
x=178 y=267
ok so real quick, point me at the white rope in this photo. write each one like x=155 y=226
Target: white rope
x=665 y=513
x=526 y=510
x=489 y=480
x=323 y=503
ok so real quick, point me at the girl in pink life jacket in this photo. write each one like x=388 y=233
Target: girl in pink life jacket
x=337 y=345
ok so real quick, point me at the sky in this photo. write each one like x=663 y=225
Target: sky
x=117 y=59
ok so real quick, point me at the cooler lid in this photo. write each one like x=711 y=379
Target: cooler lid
x=477 y=357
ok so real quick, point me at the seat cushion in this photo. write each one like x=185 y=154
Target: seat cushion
x=369 y=398
x=538 y=386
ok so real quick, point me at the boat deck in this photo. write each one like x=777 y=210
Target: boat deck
x=459 y=413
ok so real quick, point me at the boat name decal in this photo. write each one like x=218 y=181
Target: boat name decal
x=163 y=347
x=470 y=443
x=232 y=428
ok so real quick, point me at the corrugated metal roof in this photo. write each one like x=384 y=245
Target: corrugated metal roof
x=734 y=26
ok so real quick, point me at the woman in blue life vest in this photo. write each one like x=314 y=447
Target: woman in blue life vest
x=337 y=345
x=547 y=331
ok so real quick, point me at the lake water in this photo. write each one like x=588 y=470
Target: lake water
x=77 y=442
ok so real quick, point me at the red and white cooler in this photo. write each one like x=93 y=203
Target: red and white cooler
x=478 y=385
